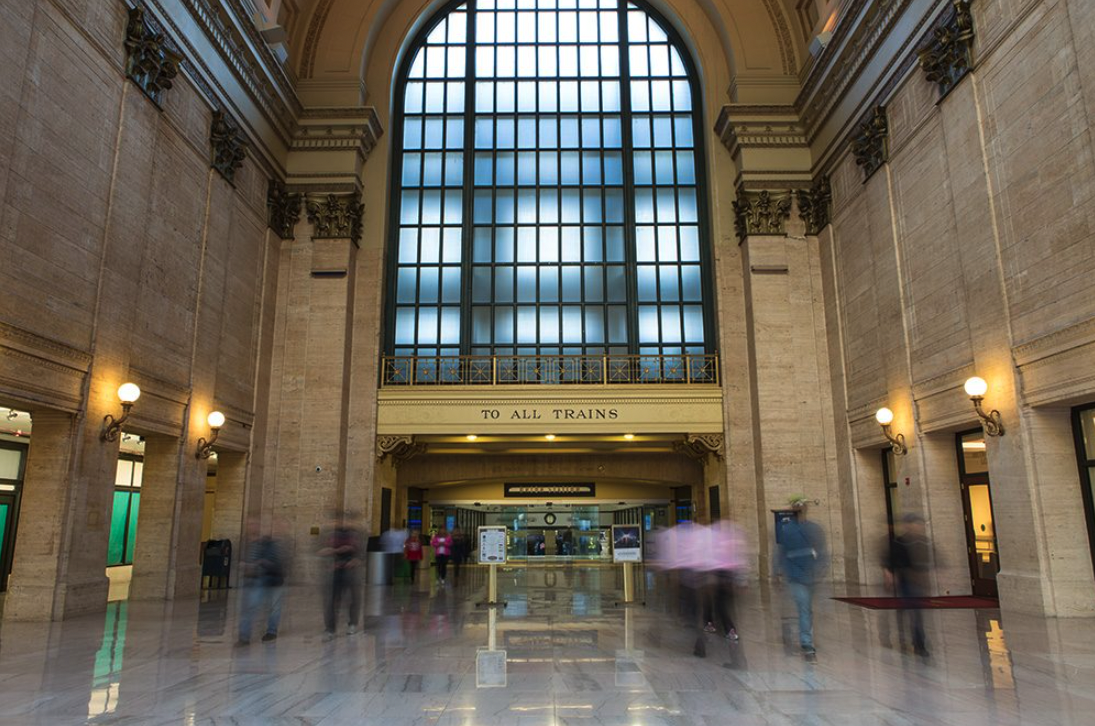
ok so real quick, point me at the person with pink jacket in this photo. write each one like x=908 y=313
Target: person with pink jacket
x=442 y=551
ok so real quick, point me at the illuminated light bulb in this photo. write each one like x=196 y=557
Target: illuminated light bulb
x=884 y=416
x=629 y=437
x=471 y=437
x=215 y=419
x=129 y=392
x=976 y=387
x=550 y=437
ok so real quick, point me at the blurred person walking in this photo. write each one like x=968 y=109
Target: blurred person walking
x=265 y=566
x=442 y=551
x=907 y=568
x=802 y=559
x=344 y=548
x=413 y=552
x=459 y=551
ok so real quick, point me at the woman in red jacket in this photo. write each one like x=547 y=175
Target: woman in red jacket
x=412 y=552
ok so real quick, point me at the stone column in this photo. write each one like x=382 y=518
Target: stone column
x=228 y=500
x=166 y=557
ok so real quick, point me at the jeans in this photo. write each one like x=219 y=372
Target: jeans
x=442 y=565
x=803 y=597
x=255 y=596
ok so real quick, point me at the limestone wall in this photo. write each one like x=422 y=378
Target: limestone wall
x=972 y=252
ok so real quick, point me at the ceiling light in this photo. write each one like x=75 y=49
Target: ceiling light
x=549 y=437
x=471 y=437
x=629 y=437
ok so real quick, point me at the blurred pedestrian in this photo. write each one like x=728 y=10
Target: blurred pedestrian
x=907 y=569
x=413 y=551
x=802 y=559
x=442 y=551
x=392 y=540
x=265 y=565
x=343 y=547
x=459 y=551
x=725 y=564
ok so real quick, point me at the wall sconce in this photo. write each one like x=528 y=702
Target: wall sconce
x=205 y=448
x=884 y=417
x=128 y=393
x=976 y=388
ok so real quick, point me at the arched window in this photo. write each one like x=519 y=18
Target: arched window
x=549 y=189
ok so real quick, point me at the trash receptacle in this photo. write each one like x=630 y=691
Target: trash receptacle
x=216 y=564
x=379 y=565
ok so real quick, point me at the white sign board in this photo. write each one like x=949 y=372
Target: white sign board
x=490 y=669
x=492 y=545
x=627 y=543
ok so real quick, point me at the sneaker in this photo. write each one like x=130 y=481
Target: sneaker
x=269 y=636
x=809 y=651
x=328 y=635
x=732 y=635
x=351 y=630
x=709 y=628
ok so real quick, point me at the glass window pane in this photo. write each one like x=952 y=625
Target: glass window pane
x=503 y=284
x=406 y=285
x=503 y=325
x=408 y=246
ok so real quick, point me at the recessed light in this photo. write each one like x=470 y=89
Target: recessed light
x=471 y=437
x=629 y=436
x=550 y=437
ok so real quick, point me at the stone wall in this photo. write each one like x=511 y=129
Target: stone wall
x=126 y=257
x=972 y=252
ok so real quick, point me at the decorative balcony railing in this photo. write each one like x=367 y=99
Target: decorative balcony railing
x=587 y=370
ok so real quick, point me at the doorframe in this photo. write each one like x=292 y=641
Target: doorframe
x=1085 y=460
x=7 y=557
x=964 y=481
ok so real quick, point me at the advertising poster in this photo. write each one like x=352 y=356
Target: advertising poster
x=492 y=545
x=627 y=544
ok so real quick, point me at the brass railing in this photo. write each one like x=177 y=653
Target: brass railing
x=588 y=370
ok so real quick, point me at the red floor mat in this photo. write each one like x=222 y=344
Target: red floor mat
x=922 y=603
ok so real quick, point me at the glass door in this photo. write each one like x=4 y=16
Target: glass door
x=981 y=546
x=1083 y=422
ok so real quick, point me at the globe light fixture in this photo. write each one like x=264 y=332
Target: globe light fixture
x=884 y=416
x=215 y=419
x=991 y=423
x=128 y=393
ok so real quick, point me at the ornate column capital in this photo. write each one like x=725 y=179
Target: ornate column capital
x=761 y=213
x=814 y=205
x=870 y=142
x=283 y=209
x=229 y=147
x=946 y=57
x=702 y=446
x=336 y=216
x=150 y=62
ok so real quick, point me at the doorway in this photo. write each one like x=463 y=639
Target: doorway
x=13 y=458
x=981 y=545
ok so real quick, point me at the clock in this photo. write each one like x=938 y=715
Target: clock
x=549 y=518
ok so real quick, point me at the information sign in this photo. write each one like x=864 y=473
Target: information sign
x=492 y=545
x=627 y=543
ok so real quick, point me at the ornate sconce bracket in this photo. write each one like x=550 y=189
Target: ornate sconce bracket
x=760 y=213
x=229 y=148
x=283 y=209
x=991 y=422
x=399 y=448
x=870 y=145
x=897 y=443
x=814 y=206
x=150 y=63
x=336 y=216
x=947 y=56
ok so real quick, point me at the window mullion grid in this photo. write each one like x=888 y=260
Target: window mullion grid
x=467 y=227
x=630 y=243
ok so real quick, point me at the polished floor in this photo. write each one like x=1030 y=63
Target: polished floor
x=562 y=651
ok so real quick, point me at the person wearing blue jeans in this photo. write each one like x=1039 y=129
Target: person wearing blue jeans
x=802 y=559
x=263 y=584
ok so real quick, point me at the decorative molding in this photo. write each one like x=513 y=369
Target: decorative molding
x=336 y=216
x=283 y=209
x=229 y=148
x=355 y=129
x=947 y=56
x=783 y=36
x=1055 y=343
x=399 y=448
x=759 y=213
x=701 y=446
x=150 y=61
x=815 y=206
x=870 y=144
x=311 y=40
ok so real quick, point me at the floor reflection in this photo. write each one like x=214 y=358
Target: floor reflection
x=106 y=678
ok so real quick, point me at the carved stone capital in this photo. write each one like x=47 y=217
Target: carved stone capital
x=870 y=144
x=336 y=216
x=399 y=448
x=283 y=209
x=701 y=446
x=946 y=58
x=229 y=148
x=150 y=63
x=814 y=205
x=757 y=213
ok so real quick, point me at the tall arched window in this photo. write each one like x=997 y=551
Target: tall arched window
x=549 y=186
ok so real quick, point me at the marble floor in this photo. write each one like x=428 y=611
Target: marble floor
x=562 y=651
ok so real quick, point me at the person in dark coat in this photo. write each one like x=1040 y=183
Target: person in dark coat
x=265 y=566
x=908 y=566
x=802 y=558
